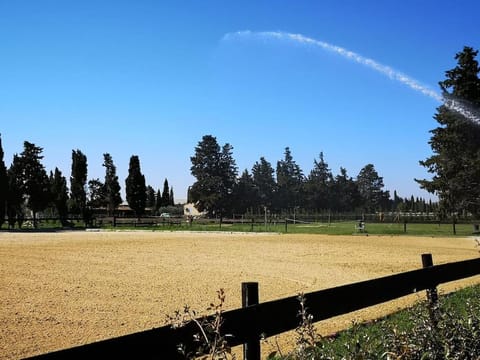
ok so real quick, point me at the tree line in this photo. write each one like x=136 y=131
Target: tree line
x=26 y=186
x=454 y=165
x=219 y=191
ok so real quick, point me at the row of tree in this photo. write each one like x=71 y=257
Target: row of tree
x=26 y=185
x=454 y=165
x=220 y=192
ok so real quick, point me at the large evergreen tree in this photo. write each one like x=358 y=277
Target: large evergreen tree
x=96 y=194
x=370 y=185
x=455 y=163
x=244 y=194
x=290 y=182
x=345 y=194
x=36 y=184
x=264 y=182
x=3 y=186
x=135 y=187
x=216 y=172
x=165 y=194
x=78 y=183
x=150 y=199
x=158 y=201
x=318 y=185
x=15 y=195
x=112 y=186
x=171 y=198
x=59 y=190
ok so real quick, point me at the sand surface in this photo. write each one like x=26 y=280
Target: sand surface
x=64 y=289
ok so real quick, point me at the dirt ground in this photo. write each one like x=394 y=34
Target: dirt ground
x=64 y=289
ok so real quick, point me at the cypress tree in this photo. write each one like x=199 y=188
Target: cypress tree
x=112 y=186
x=78 y=182
x=15 y=195
x=3 y=186
x=165 y=194
x=135 y=187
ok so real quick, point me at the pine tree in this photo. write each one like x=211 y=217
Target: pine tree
x=318 y=185
x=345 y=193
x=455 y=164
x=244 y=193
x=36 y=185
x=290 y=182
x=150 y=203
x=264 y=182
x=370 y=185
x=59 y=191
x=215 y=172
x=112 y=186
x=96 y=194
x=3 y=186
x=78 y=183
x=135 y=187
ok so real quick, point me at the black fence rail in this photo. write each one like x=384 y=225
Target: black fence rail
x=253 y=322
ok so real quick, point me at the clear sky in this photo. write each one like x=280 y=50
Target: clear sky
x=150 y=78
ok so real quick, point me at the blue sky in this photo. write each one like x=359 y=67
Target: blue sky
x=150 y=78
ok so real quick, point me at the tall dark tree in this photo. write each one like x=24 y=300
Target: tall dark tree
x=59 y=191
x=112 y=186
x=345 y=194
x=289 y=181
x=455 y=163
x=3 y=186
x=318 y=185
x=96 y=194
x=216 y=173
x=244 y=194
x=135 y=187
x=36 y=184
x=165 y=194
x=171 y=198
x=158 y=201
x=370 y=185
x=78 y=183
x=15 y=195
x=264 y=182
x=150 y=203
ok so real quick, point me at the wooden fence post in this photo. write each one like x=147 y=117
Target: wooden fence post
x=286 y=225
x=251 y=349
x=432 y=295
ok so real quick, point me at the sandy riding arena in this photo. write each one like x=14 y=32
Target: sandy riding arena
x=63 y=289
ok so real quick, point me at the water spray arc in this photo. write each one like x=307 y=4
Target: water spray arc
x=450 y=102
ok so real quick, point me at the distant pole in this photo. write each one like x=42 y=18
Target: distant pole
x=286 y=225
x=251 y=349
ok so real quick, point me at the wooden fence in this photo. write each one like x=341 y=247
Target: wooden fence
x=255 y=320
